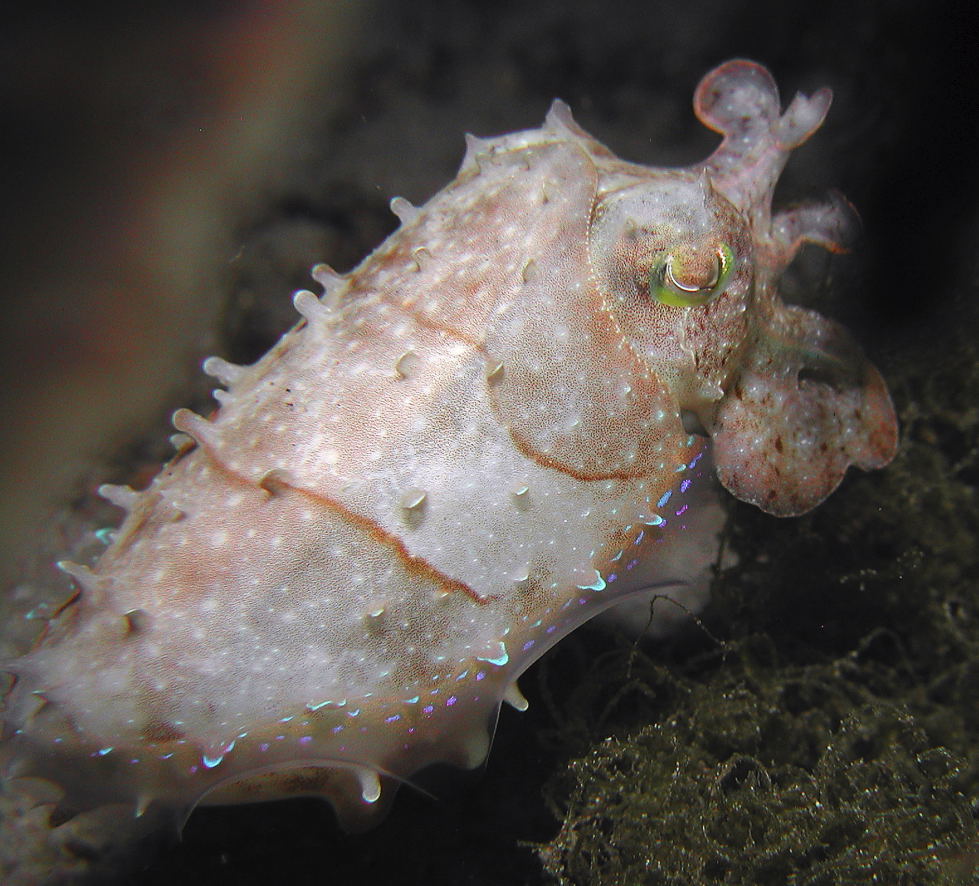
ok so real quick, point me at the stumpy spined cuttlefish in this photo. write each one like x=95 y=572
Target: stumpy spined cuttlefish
x=503 y=421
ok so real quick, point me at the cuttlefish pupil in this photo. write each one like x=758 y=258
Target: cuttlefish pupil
x=677 y=283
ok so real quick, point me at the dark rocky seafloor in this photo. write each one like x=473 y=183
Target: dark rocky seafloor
x=818 y=725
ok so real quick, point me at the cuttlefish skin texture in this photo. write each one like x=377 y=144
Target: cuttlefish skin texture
x=469 y=445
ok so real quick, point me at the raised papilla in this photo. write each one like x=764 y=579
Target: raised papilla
x=503 y=421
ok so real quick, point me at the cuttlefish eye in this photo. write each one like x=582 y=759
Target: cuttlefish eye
x=675 y=282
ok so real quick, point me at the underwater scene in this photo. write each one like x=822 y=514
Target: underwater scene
x=755 y=425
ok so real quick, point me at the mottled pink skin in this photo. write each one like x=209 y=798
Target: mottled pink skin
x=472 y=443
x=805 y=403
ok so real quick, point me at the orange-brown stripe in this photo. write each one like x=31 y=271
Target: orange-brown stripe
x=273 y=483
x=521 y=444
x=428 y=323
x=412 y=562
x=545 y=461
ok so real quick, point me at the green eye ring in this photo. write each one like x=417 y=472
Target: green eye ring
x=667 y=290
